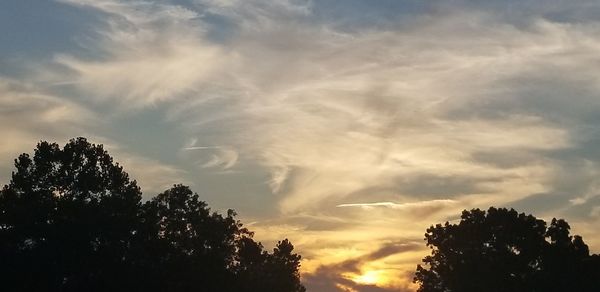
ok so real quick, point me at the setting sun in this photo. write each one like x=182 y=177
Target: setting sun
x=369 y=278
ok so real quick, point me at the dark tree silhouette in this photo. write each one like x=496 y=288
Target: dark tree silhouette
x=190 y=246
x=263 y=271
x=193 y=248
x=71 y=220
x=502 y=250
x=66 y=216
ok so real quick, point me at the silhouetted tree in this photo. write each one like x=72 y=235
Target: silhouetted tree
x=66 y=219
x=502 y=250
x=263 y=271
x=71 y=220
x=195 y=250
x=190 y=246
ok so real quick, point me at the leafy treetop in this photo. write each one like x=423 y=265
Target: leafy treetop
x=72 y=220
x=502 y=250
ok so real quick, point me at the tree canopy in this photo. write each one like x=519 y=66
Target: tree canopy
x=72 y=220
x=503 y=250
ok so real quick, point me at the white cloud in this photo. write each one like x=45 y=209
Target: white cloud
x=331 y=113
x=401 y=206
x=154 y=53
x=29 y=115
x=224 y=158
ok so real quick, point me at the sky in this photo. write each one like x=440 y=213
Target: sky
x=348 y=127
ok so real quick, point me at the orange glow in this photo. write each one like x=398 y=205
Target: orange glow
x=373 y=277
x=369 y=278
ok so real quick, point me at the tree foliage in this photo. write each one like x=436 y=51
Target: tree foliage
x=502 y=250
x=72 y=220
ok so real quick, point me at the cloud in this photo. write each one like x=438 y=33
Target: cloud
x=154 y=53
x=446 y=92
x=345 y=275
x=29 y=115
x=223 y=157
x=403 y=206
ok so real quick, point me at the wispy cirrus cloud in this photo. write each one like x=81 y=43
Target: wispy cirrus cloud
x=223 y=157
x=30 y=115
x=153 y=53
x=401 y=206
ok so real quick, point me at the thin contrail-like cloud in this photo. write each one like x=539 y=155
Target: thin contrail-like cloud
x=399 y=205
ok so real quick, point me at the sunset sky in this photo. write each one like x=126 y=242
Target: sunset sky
x=347 y=126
